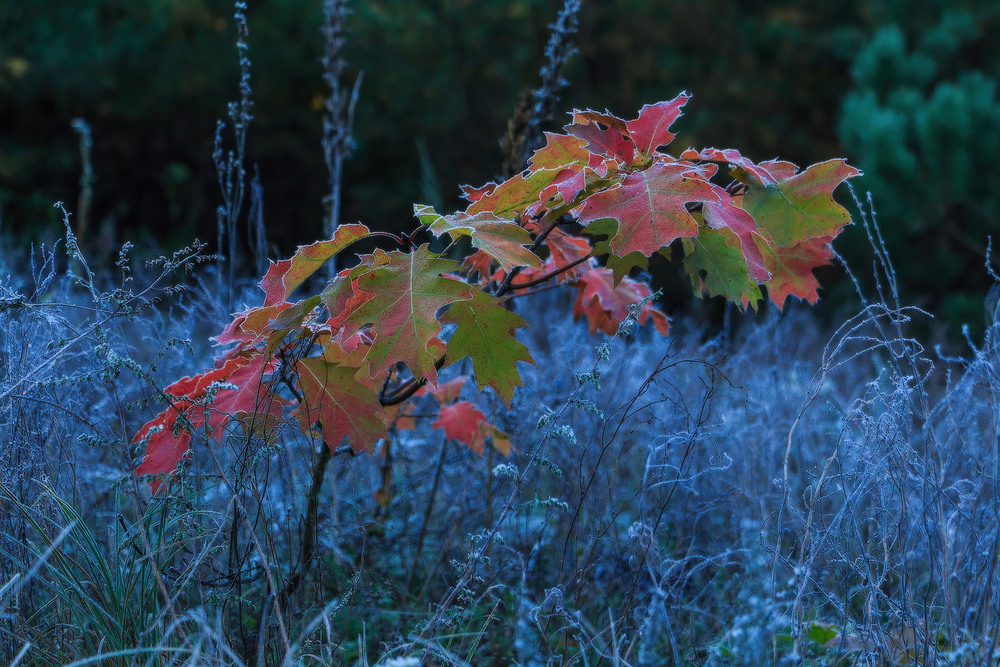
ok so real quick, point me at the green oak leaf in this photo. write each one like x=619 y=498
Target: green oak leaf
x=486 y=334
x=403 y=294
x=500 y=239
x=716 y=265
x=801 y=206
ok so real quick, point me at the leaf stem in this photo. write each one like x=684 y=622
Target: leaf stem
x=506 y=286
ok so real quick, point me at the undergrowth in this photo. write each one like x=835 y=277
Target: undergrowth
x=774 y=494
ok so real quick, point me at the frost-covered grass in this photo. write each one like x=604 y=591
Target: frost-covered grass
x=782 y=494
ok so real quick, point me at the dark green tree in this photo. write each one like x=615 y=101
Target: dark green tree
x=923 y=122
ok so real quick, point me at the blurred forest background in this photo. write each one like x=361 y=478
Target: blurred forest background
x=906 y=90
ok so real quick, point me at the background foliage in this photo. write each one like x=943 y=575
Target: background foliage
x=922 y=119
x=904 y=90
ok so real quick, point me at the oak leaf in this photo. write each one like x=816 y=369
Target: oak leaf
x=717 y=266
x=613 y=142
x=343 y=406
x=283 y=277
x=606 y=303
x=463 y=422
x=501 y=239
x=792 y=267
x=516 y=196
x=559 y=152
x=652 y=128
x=166 y=444
x=744 y=227
x=650 y=207
x=801 y=206
x=402 y=296
x=485 y=332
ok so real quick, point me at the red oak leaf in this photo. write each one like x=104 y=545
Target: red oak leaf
x=564 y=249
x=460 y=421
x=193 y=387
x=573 y=180
x=613 y=142
x=481 y=263
x=743 y=169
x=343 y=406
x=251 y=396
x=248 y=326
x=446 y=392
x=341 y=298
x=779 y=169
x=652 y=128
x=164 y=448
x=606 y=304
x=473 y=194
x=606 y=118
x=650 y=207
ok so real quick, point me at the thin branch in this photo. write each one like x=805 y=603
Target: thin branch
x=549 y=276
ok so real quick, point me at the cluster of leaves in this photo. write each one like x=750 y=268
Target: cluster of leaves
x=603 y=188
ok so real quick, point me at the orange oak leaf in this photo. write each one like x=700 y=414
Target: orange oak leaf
x=344 y=407
x=285 y=276
x=248 y=326
x=481 y=264
x=401 y=416
x=792 y=267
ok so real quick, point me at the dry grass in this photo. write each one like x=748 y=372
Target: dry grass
x=777 y=495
